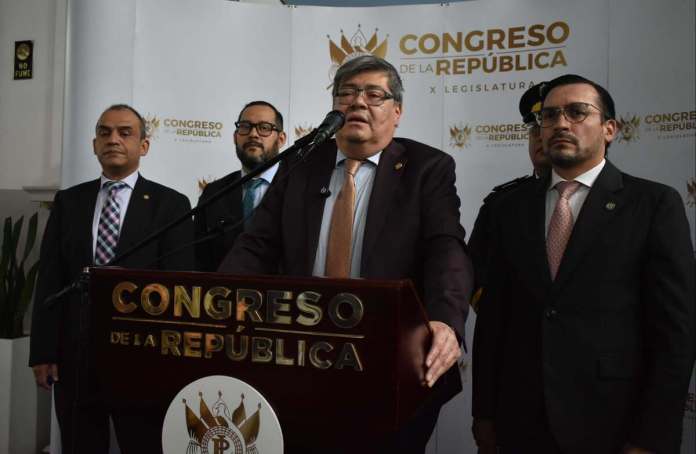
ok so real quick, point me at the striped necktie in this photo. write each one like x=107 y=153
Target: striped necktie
x=109 y=223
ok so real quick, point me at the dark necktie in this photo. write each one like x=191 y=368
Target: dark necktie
x=250 y=190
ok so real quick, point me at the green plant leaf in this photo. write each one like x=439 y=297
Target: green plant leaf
x=31 y=236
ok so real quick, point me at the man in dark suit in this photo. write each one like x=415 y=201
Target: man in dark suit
x=585 y=336
x=479 y=245
x=398 y=215
x=91 y=224
x=257 y=138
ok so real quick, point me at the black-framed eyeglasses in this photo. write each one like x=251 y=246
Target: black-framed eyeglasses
x=374 y=96
x=575 y=112
x=264 y=128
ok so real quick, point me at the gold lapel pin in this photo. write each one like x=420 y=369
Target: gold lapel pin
x=398 y=166
x=610 y=206
x=146 y=196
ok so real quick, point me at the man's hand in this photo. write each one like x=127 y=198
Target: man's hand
x=45 y=375
x=630 y=449
x=484 y=434
x=443 y=353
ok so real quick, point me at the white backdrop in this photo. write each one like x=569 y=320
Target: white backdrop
x=189 y=66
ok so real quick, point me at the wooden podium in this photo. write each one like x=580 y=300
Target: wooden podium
x=335 y=358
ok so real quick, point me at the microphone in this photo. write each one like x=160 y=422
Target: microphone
x=333 y=122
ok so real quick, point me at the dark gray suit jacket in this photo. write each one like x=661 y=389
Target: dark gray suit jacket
x=603 y=353
x=67 y=248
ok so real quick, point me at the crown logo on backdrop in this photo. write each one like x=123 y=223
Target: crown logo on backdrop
x=354 y=47
x=629 y=128
x=302 y=130
x=152 y=124
x=691 y=190
x=221 y=430
x=460 y=135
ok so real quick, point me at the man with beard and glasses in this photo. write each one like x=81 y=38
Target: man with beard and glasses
x=258 y=137
x=373 y=206
x=585 y=335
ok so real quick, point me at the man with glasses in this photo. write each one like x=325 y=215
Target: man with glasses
x=258 y=137
x=369 y=205
x=479 y=246
x=585 y=335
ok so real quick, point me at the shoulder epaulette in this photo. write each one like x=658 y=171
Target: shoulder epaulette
x=501 y=188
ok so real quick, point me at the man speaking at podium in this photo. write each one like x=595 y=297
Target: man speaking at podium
x=91 y=224
x=369 y=205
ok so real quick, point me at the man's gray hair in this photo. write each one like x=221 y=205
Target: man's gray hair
x=366 y=63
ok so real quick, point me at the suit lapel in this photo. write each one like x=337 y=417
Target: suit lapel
x=386 y=182
x=602 y=202
x=85 y=219
x=319 y=170
x=137 y=216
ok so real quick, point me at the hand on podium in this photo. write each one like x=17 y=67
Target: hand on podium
x=443 y=353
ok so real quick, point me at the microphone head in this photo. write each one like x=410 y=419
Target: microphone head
x=334 y=120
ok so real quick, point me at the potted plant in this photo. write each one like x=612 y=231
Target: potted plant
x=20 y=401
x=16 y=285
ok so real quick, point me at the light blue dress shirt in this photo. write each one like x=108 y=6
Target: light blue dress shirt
x=364 y=181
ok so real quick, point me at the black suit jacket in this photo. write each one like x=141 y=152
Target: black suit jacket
x=603 y=353
x=412 y=228
x=67 y=248
x=219 y=217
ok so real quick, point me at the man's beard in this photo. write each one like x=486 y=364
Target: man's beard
x=253 y=162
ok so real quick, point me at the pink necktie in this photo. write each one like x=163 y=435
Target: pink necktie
x=338 y=254
x=560 y=226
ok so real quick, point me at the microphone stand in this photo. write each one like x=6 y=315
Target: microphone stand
x=301 y=148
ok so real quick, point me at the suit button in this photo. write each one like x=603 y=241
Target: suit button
x=551 y=313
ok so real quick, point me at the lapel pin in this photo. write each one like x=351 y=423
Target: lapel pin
x=610 y=206
x=398 y=166
x=146 y=196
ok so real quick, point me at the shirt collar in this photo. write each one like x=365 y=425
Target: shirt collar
x=130 y=180
x=586 y=179
x=267 y=176
x=340 y=157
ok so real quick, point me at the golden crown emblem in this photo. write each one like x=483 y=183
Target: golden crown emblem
x=354 y=47
x=691 y=190
x=459 y=135
x=629 y=128
x=152 y=124
x=225 y=432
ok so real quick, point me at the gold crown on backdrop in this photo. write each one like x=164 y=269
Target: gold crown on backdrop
x=357 y=45
x=302 y=130
x=152 y=124
x=691 y=190
x=460 y=135
x=629 y=128
x=217 y=426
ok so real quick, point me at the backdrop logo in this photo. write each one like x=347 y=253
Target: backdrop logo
x=214 y=429
x=460 y=135
x=152 y=124
x=302 y=130
x=671 y=125
x=354 y=47
x=629 y=128
x=691 y=191
x=494 y=50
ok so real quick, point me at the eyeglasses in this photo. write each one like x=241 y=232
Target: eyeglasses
x=374 y=96
x=264 y=128
x=575 y=112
